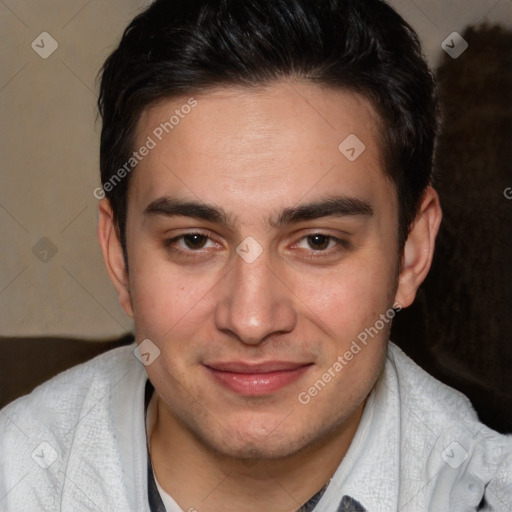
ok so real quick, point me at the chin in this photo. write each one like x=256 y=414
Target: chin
x=260 y=438
x=257 y=449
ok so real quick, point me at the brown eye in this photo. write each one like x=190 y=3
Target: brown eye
x=195 y=241
x=319 y=242
x=189 y=242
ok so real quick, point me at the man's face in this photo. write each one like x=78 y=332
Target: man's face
x=245 y=333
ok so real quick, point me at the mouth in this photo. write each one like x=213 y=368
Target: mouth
x=256 y=379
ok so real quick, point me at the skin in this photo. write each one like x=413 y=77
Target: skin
x=254 y=153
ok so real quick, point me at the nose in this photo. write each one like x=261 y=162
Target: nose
x=255 y=302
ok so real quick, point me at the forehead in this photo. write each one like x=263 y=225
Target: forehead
x=254 y=145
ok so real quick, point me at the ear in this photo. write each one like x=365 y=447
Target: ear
x=113 y=256
x=419 y=248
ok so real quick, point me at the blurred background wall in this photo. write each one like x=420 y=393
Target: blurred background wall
x=52 y=280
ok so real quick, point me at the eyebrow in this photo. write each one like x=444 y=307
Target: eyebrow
x=331 y=207
x=170 y=207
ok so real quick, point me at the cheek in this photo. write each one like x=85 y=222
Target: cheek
x=169 y=307
x=351 y=297
x=353 y=351
x=166 y=299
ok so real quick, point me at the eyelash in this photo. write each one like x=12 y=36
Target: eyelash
x=170 y=242
x=340 y=245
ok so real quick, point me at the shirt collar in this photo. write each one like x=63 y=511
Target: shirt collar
x=369 y=473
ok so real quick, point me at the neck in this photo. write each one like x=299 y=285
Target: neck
x=200 y=479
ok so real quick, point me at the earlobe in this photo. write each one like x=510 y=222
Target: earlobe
x=419 y=248
x=113 y=256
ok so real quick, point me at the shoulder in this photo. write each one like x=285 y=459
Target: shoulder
x=460 y=461
x=38 y=430
x=59 y=400
x=421 y=392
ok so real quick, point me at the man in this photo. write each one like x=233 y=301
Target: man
x=268 y=210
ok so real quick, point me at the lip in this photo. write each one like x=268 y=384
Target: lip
x=256 y=379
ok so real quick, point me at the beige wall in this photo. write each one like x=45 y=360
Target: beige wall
x=49 y=154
